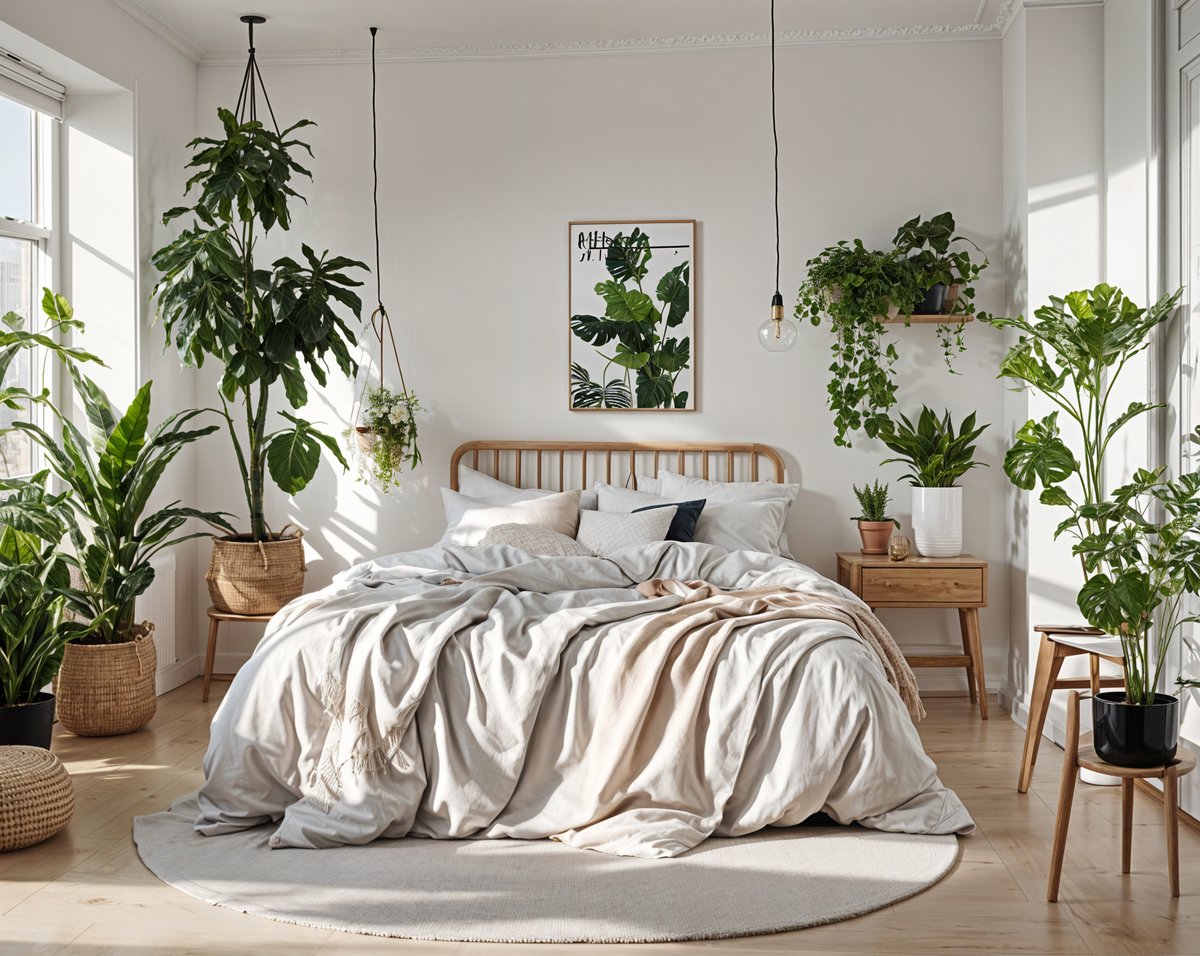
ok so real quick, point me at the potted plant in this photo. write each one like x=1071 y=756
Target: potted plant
x=387 y=437
x=35 y=626
x=857 y=287
x=265 y=325
x=874 y=524
x=938 y=457
x=106 y=683
x=1136 y=546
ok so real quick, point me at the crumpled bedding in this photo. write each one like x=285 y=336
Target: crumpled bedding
x=463 y=692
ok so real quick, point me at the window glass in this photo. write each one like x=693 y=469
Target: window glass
x=18 y=262
x=16 y=161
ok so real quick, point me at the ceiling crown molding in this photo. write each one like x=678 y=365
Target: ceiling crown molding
x=156 y=24
x=994 y=29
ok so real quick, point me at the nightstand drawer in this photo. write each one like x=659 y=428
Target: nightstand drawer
x=939 y=587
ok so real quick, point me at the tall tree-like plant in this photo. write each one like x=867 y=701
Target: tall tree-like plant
x=264 y=325
x=1137 y=546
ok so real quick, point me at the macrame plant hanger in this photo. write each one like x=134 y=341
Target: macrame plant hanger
x=381 y=324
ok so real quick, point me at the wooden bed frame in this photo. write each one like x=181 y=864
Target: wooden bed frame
x=564 y=466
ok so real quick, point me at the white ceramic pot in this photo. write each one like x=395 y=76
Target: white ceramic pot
x=937 y=521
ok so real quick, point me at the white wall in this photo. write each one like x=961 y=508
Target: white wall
x=484 y=164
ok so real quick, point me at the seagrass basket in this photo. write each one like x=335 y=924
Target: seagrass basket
x=108 y=689
x=36 y=796
x=256 y=577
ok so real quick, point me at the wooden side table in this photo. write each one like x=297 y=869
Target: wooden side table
x=215 y=618
x=1080 y=754
x=959 y=583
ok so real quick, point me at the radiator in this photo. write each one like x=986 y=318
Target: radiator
x=157 y=604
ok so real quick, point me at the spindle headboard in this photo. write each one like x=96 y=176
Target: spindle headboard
x=563 y=466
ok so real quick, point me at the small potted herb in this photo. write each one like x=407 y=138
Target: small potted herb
x=874 y=524
x=387 y=436
x=938 y=456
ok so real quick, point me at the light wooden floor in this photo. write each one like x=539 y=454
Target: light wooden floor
x=85 y=891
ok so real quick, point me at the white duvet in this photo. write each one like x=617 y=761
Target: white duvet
x=478 y=692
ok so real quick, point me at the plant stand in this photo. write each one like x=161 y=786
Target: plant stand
x=215 y=619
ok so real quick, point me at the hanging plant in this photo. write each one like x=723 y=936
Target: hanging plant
x=383 y=432
x=856 y=287
x=386 y=436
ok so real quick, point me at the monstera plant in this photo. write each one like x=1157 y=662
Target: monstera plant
x=264 y=325
x=634 y=333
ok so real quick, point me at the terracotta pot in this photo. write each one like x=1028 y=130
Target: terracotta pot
x=255 y=577
x=108 y=689
x=875 y=536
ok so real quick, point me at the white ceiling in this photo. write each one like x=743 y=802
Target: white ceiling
x=209 y=30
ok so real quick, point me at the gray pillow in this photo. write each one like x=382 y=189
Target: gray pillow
x=606 y=533
x=536 y=539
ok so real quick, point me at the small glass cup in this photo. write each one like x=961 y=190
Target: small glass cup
x=899 y=547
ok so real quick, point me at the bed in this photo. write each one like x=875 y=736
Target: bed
x=634 y=703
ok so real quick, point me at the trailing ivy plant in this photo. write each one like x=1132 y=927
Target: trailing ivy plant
x=854 y=286
x=264 y=325
x=636 y=329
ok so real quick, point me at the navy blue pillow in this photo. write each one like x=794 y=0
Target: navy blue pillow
x=683 y=525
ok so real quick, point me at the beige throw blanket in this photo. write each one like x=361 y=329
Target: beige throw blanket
x=706 y=606
x=479 y=692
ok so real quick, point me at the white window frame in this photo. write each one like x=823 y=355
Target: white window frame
x=42 y=233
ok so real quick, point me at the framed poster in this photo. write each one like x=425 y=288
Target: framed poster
x=632 y=307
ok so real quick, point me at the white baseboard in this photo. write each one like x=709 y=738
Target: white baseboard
x=176 y=675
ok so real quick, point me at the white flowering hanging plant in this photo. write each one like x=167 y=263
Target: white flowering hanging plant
x=386 y=436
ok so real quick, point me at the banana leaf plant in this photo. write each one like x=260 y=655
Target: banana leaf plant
x=264 y=325
x=636 y=331
x=1136 y=545
x=111 y=473
x=35 y=575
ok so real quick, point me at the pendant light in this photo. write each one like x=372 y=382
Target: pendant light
x=778 y=333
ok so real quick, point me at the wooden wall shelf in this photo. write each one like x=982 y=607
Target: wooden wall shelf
x=927 y=319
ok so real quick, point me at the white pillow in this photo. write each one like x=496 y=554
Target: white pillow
x=682 y=488
x=734 y=526
x=475 y=484
x=647 y=484
x=468 y=519
x=605 y=533
x=534 y=539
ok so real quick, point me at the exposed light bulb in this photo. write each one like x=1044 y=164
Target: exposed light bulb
x=778 y=333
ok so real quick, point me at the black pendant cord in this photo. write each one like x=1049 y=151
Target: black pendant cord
x=379 y=318
x=775 y=137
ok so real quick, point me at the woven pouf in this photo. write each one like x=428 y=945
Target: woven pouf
x=36 y=796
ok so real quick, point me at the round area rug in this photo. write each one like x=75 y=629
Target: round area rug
x=516 y=891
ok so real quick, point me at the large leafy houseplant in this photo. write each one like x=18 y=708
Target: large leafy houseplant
x=636 y=327
x=263 y=324
x=855 y=287
x=1137 y=544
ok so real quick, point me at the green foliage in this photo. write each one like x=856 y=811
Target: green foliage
x=391 y=441
x=936 y=453
x=872 y=502
x=854 y=286
x=110 y=474
x=34 y=577
x=1137 y=545
x=649 y=358
x=263 y=325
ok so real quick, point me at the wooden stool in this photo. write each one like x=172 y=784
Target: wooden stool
x=215 y=618
x=1085 y=757
x=1060 y=641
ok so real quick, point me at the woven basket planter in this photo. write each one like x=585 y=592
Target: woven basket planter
x=256 y=577
x=36 y=796
x=107 y=689
x=366 y=438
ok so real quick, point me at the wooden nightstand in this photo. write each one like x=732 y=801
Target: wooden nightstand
x=959 y=583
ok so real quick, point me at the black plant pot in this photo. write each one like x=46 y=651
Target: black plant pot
x=28 y=724
x=934 y=299
x=1135 y=735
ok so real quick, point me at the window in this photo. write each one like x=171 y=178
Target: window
x=24 y=253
